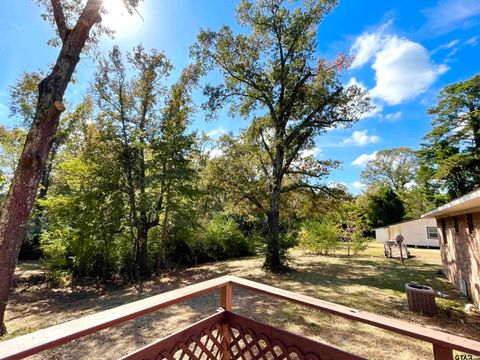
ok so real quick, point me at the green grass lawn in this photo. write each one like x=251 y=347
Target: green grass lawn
x=368 y=282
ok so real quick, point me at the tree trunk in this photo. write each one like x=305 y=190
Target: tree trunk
x=273 y=261
x=35 y=252
x=163 y=240
x=141 y=259
x=20 y=199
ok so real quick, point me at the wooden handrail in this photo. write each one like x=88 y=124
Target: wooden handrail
x=36 y=342
x=29 y=344
x=435 y=337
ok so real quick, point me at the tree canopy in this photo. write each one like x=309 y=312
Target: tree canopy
x=274 y=71
x=451 y=151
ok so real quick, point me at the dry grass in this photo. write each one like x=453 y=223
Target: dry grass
x=368 y=282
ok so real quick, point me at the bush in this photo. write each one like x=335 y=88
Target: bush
x=319 y=237
x=219 y=239
x=359 y=243
x=58 y=278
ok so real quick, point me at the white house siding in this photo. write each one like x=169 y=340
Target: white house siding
x=381 y=234
x=413 y=231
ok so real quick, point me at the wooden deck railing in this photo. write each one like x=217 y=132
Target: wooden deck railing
x=26 y=345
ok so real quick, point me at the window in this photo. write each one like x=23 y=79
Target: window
x=470 y=223
x=432 y=232
x=444 y=231
x=455 y=224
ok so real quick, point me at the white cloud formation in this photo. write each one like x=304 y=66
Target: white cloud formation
x=215 y=153
x=314 y=151
x=394 y=116
x=449 y=15
x=357 y=185
x=215 y=133
x=403 y=70
x=367 y=45
x=402 y=67
x=361 y=138
x=473 y=41
x=363 y=159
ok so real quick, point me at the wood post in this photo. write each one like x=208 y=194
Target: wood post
x=226 y=296
x=442 y=353
x=226 y=300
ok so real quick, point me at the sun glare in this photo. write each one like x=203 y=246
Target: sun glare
x=117 y=17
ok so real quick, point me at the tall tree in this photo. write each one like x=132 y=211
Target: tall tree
x=451 y=150
x=23 y=99
x=274 y=69
x=396 y=168
x=149 y=139
x=74 y=21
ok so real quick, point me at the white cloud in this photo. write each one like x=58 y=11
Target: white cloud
x=403 y=70
x=215 y=153
x=455 y=45
x=450 y=15
x=357 y=185
x=402 y=67
x=394 y=116
x=449 y=45
x=215 y=133
x=366 y=46
x=473 y=41
x=361 y=138
x=363 y=159
x=314 y=151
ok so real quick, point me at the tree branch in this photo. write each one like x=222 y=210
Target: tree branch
x=59 y=16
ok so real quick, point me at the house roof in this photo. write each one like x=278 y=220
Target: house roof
x=467 y=202
x=401 y=222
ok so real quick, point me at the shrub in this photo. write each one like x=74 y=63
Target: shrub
x=359 y=242
x=319 y=237
x=219 y=239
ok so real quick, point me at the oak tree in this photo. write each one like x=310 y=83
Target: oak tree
x=272 y=69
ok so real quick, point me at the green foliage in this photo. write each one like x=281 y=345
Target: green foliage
x=84 y=214
x=395 y=168
x=359 y=242
x=58 y=278
x=381 y=206
x=271 y=73
x=221 y=239
x=349 y=220
x=24 y=96
x=450 y=155
x=319 y=237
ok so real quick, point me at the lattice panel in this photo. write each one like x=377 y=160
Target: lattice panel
x=228 y=336
x=204 y=346
x=248 y=345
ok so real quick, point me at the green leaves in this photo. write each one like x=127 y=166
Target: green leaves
x=452 y=148
x=396 y=168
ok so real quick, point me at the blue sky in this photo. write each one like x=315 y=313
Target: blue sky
x=405 y=52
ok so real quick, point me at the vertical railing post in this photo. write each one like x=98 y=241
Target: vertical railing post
x=442 y=353
x=226 y=296
x=226 y=301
